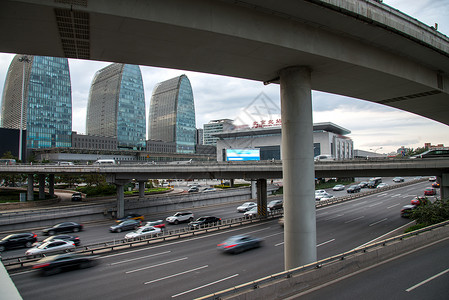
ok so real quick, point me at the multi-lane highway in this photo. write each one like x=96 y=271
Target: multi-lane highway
x=185 y=269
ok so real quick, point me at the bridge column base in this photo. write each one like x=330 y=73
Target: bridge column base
x=262 y=197
x=30 y=188
x=444 y=186
x=141 y=189
x=298 y=167
x=41 y=186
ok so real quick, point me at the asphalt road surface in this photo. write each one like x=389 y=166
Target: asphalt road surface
x=190 y=268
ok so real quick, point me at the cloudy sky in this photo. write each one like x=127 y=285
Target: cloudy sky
x=372 y=126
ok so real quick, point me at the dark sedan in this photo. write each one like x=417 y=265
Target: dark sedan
x=204 y=222
x=125 y=225
x=77 y=197
x=275 y=204
x=407 y=210
x=353 y=189
x=239 y=243
x=18 y=240
x=57 y=263
x=63 y=227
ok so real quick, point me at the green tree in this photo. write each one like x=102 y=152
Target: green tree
x=432 y=213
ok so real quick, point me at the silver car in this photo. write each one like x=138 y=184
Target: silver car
x=246 y=206
x=51 y=246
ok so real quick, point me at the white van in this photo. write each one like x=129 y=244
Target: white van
x=105 y=162
x=324 y=157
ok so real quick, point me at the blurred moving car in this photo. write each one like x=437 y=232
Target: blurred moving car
x=398 y=179
x=281 y=222
x=275 y=204
x=209 y=189
x=65 y=237
x=193 y=189
x=419 y=201
x=327 y=196
x=381 y=185
x=63 y=262
x=204 y=222
x=125 y=225
x=320 y=194
x=18 y=240
x=144 y=231
x=353 y=189
x=253 y=212
x=51 y=246
x=239 y=243
x=246 y=206
x=158 y=224
x=338 y=187
x=179 y=217
x=363 y=184
x=131 y=217
x=63 y=227
x=407 y=210
x=432 y=178
x=430 y=192
x=77 y=197
x=436 y=185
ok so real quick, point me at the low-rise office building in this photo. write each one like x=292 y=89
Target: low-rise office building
x=328 y=139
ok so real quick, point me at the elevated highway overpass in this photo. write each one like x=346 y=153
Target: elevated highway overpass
x=362 y=49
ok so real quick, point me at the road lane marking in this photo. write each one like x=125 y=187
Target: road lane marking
x=324 y=243
x=427 y=280
x=382 y=236
x=157 y=265
x=329 y=241
x=375 y=204
x=137 y=258
x=393 y=205
x=361 y=217
x=273 y=235
x=396 y=195
x=203 y=286
x=334 y=217
x=177 y=274
x=380 y=221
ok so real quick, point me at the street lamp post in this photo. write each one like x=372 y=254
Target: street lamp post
x=24 y=59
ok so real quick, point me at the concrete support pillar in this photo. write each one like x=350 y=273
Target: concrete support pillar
x=262 y=197
x=444 y=186
x=231 y=181
x=51 y=184
x=141 y=189
x=253 y=189
x=120 y=200
x=298 y=167
x=30 y=188
x=41 y=186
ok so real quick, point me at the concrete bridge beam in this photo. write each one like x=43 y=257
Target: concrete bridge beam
x=141 y=189
x=262 y=197
x=51 y=184
x=298 y=167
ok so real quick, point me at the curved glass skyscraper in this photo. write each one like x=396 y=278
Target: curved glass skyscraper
x=47 y=101
x=172 y=114
x=116 y=106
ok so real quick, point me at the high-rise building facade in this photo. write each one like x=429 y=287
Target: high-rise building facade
x=116 y=106
x=172 y=114
x=47 y=100
x=216 y=126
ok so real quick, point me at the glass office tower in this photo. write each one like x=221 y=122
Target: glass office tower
x=116 y=106
x=172 y=114
x=47 y=100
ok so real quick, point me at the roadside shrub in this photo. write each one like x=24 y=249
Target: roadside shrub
x=432 y=213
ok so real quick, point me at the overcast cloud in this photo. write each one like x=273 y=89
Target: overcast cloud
x=216 y=97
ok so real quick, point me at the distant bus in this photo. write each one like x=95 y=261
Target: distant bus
x=324 y=157
x=374 y=182
x=432 y=153
x=105 y=162
x=7 y=161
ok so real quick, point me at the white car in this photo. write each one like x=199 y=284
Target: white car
x=381 y=185
x=338 y=187
x=180 y=217
x=145 y=231
x=319 y=194
x=51 y=246
x=246 y=206
x=253 y=212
